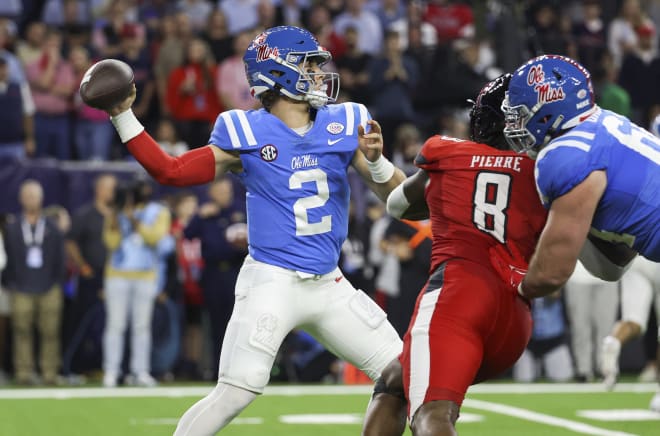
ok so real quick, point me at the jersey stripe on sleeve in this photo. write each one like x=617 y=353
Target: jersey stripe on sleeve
x=231 y=129
x=247 y=129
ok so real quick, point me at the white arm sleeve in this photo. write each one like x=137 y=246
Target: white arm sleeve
x=600 y=266
x=397 y=203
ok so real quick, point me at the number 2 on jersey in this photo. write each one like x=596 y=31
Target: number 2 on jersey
x=300 y=207
x=490 y=202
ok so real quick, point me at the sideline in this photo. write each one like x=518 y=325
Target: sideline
x=299 y=390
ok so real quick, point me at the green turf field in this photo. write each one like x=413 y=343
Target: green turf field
x=490 y=410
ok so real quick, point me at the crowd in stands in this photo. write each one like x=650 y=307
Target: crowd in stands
x=414 y=64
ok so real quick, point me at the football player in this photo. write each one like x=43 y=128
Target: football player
x=293 y=156
x=640 y=287
x=469 y=324
x=596 y=172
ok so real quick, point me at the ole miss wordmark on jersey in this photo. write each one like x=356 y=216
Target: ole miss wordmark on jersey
x=628 y=211
x=470 y=198
x=297 y=187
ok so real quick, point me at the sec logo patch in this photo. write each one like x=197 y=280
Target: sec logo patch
x=268 y=152
x=335 y=128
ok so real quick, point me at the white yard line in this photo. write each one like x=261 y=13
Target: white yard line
x=296 y=390
x=529 y=415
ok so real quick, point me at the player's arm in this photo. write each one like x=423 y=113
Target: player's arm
x=407 y=200
x=379 y=173
x=194 y=167
x=563 y=236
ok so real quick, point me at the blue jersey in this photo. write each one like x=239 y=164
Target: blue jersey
x=297 y=186
x=629 y=210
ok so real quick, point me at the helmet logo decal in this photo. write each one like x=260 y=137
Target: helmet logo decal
x=335 y=128
x=268 y=152
x=264 y=52
x=544 y=92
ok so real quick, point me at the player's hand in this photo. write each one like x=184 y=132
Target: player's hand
x=510 y=266
x=371 y=144
x=124 y=105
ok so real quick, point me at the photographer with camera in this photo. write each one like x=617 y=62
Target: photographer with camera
x=132 y=233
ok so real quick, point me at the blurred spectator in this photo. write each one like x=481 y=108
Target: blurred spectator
x=240 y=14
x=609 y=95
x=622 y=38
x=353 y=256
x=407 y=145
x=356 y=15
x=265 y=15
x=59 y=12
x=354 y=67
x=5 y=306
x=131 y=234
x=393 y=76
x=217 y=36
x=220 y=227
x=448 y=17
x=86 y=249
x=320 y=24
x=53 y=83
x=425 y=34
x=410 y=243
x=35 y=269
x=291 y=13
x=590 y=36
x=591 y=307
x=29 y=49
x=92 y=131
x=639 y=73
x=16 y=73
x=233 y=89
x=176 y=34
x=191 y=94
x=17 y=119
x=11 y=9
x=548 y=30
x=76 y=24
x=168 y=140
x=388 y=11
x=106 y=37
x=135 y=54
x=197 y=10
x=189 y=265
x=547 y=352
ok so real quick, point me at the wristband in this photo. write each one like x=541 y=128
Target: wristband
x=127 y=125
x=382 y=170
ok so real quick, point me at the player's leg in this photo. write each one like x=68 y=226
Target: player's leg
x=636 y=295
x=578 y=296
x=264 y=313
x=443 y=349
x=386 y=413
x=351 y=325
x=116 y=301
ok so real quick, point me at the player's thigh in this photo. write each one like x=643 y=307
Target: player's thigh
x=263 y=315
x=356 y=329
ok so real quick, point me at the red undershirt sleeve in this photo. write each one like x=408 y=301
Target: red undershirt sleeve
x=194 y=167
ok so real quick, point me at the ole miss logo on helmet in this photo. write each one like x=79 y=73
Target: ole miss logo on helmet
x=544 y=92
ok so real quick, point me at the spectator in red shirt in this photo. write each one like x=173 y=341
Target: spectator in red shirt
x=448 y=17
x=191 y=94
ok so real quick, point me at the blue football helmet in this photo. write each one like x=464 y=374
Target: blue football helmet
x=279 y=59
x=546 y=96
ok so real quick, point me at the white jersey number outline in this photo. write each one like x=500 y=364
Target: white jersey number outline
x=489 y=215
x=300 y=207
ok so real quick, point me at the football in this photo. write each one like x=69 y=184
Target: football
x=106 y=84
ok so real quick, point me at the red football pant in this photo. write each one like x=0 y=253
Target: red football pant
x=467 y=327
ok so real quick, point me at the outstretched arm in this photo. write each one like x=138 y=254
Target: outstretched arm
x=562 y=238
x=407 y=200
x=195 y=167
x=379 y=173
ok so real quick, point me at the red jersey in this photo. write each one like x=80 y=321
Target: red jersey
x=479 y=196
